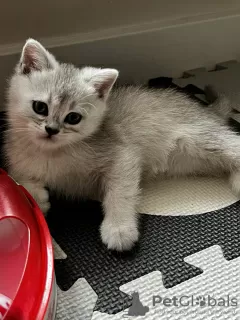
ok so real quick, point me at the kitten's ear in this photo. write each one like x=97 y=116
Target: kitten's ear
x=35 y=58
x=102 y=80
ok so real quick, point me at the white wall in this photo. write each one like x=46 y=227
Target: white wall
x=143 y=39
x=51 y=18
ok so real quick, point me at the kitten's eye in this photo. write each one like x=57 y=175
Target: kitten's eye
x=73 y=118
x=235 y=111
x=40 y=108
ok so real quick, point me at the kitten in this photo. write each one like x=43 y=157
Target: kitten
x=72 y=132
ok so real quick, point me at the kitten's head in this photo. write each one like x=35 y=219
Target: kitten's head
x=55 y=104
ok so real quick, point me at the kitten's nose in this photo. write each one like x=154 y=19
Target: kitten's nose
x=51 y=131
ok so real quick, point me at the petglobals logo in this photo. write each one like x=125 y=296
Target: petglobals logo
x=201 y=301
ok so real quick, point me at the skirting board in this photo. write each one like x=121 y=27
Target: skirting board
x=143 y=52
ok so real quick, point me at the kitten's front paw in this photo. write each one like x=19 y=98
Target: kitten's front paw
x=40 y=195
x=119 y=237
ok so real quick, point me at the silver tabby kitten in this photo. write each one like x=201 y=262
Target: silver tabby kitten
x=71 y=132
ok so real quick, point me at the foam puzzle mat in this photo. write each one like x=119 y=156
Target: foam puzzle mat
x=187 y=262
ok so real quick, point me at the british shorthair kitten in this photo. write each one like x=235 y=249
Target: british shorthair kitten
x=72 y=132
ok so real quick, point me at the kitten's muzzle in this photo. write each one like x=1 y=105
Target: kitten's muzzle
x=51 y=131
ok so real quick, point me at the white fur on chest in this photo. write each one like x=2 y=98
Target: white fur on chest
x=71 y=176
x=68 y=174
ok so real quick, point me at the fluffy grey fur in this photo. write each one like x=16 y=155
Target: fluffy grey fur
x=222 y=104
x=125 y=135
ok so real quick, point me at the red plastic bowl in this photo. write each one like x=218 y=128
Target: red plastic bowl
x=27 y=280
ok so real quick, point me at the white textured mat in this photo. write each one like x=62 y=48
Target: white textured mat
x=220 y=280
x=215 y=294
x=77 y=303
x=186 y=196
x=58 y=252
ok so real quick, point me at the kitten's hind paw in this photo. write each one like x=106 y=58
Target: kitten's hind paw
x=119 y=237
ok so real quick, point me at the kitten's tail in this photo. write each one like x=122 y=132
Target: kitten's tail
x=218 y=101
